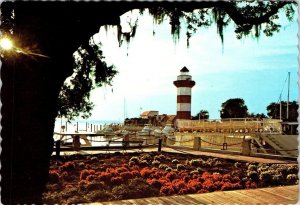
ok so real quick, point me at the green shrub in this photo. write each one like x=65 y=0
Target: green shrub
x=68 y=193
x=175 y=161
x=134 y=159
x=135 y=188
x=266 y=176
x=146 y=157
x=132 y=163
x=194 y=172
x=292 y=169
x=155 y=163
x=95 y=185
x=51 y=198
x=180 y=167
x=81 y=165
x=253 y=175
x=292 y=178
x=169 y=169
x=161 y=156
x=163 y=166
x=278 y=179
x=143 y=163
x=196 y=162
x=99 y=195
x=252 y=167
x=238 y=165
x=263 y=169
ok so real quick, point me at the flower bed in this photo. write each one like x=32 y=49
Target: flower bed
x=106 y=177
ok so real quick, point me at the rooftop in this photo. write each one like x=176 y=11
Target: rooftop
x=184 y=69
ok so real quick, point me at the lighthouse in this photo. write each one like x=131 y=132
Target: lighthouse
x=184 y=84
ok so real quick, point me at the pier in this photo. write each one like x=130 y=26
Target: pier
x=272 y=195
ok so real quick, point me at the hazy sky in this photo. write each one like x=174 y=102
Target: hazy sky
x=252 y=69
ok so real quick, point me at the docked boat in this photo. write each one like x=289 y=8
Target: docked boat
x=146 y=131
x=168 y=130
x=122 y=132
x=107 y=132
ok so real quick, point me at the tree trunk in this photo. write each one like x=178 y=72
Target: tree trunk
x=29 y=93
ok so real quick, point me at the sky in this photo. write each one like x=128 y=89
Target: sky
x=252 y=69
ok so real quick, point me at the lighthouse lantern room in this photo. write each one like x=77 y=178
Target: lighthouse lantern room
x=184 y=84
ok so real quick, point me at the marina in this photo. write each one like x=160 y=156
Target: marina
x=250 y=137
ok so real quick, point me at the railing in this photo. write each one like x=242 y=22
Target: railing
x=123 y=143
x=232 y=125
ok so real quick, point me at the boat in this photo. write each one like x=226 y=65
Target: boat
x=122 y=132
x=146 y=131
x=168 y=130
x=107 y=132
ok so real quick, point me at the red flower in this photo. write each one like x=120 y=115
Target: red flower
x=227 y=178
x=135 y=173
x=90 y=178
x=178 y=184
x=171 y=175
x=125 y=165
x=68 y=166
x=157 y=174
x=146 y=172
x=235 y=179
x=104 y=176
x=194 y=184
x=85 y=173
x=209 y=185
x=154 y=182
x=166 y=190
x=53 y=176
x=88 y=166
x=230 y=186
x=116 y=180
x=216 y=177
x=127 y=175
x=112 y=171
x=121 y=169
x=250 y=185
x=164 y=180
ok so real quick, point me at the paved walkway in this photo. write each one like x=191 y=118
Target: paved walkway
x=231 y=156
x=274 y=195
x=190 y=151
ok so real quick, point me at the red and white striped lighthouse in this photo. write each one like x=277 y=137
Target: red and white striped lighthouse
x=184 y=84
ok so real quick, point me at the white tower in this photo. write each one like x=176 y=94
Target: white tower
x=184 y=84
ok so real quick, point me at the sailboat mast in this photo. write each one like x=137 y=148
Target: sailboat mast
x=280 y=108
x=124 y=108
x=288 y=96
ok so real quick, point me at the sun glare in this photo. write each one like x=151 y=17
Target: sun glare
x=6 y=44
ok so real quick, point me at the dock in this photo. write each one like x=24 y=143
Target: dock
x=272 y=195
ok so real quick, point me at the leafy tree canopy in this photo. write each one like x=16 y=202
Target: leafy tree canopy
x=202 y=115
x=250 y=17
x=234 y=108
x=257 y=115
x=273 y=110
x=90 y=71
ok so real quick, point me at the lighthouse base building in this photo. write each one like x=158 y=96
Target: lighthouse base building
x=184 y=84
